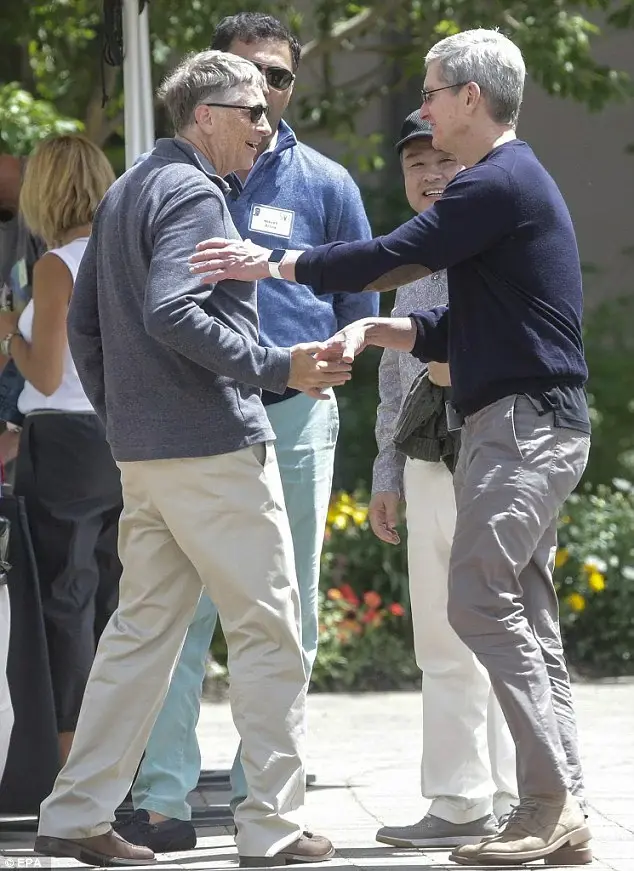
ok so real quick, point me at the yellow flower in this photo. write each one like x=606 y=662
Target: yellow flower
x=596 y=582
x=345 y=498
x=576 y=601
x=340 y=521
x=566 y=519
x=592 y=564
x=561 y=558
x=334 y=594
x=360 y=515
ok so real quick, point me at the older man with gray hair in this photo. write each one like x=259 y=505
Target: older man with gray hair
x=512 y=336
x=175 y=372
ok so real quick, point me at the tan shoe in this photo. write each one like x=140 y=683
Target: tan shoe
x=540 y=827
x=104 y=850
x=307 y=848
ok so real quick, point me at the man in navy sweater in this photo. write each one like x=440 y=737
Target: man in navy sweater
x=512 y=337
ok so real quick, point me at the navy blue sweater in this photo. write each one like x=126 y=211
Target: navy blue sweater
x=503 y=232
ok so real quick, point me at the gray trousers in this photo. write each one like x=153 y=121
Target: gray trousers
x=514 y=473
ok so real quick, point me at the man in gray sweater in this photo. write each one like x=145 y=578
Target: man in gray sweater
x=175 y=370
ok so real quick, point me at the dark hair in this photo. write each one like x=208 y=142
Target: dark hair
x=251 y=26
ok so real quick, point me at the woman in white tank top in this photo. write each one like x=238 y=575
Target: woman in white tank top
x=65 y=470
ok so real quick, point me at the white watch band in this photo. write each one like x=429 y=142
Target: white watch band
x=274 y=269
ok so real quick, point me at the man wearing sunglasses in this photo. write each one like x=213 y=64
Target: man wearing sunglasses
x=293 y=197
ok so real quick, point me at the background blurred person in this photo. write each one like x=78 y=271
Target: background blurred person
x=65 y=470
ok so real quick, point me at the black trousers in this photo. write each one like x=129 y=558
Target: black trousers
x=72 y=492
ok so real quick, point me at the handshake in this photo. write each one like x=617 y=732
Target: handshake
x=318 y=366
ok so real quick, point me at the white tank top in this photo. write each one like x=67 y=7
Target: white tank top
x=70 y=395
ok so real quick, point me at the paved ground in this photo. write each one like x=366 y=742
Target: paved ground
x=365 y=753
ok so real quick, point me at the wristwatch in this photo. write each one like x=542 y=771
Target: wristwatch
x=275 y=260
x=5 y=344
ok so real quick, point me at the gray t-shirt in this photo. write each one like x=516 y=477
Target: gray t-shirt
x=397 y=372
x=18 y=252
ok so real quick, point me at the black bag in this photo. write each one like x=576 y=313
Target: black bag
x=33 y=761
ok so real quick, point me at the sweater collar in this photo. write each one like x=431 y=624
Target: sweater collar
x=180 y=151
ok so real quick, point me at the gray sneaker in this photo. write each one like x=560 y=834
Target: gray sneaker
x=431 y=831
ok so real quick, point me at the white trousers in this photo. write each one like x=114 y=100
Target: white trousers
x=468 y=762
x=6 y=709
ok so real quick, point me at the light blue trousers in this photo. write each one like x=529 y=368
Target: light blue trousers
x=306 y=432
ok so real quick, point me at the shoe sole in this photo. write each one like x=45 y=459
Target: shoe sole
x=61 y=848
x=283 y=859
x=571 y=849
x=413 y=843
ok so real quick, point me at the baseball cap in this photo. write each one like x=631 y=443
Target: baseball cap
x=414 y=127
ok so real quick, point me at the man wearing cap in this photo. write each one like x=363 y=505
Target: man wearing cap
x=468 y=763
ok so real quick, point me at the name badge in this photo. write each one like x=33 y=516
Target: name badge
x=274 y=222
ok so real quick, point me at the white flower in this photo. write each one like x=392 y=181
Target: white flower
x=595 y=564
x=622 y=484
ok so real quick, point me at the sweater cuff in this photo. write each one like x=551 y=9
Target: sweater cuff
x=276 y=370
x=305 y=273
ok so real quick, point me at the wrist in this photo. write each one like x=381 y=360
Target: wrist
x=399 y=334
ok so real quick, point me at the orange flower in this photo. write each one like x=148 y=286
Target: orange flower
x=396 y=609
x=334 y=594
x=372 y=599
x=349 y=594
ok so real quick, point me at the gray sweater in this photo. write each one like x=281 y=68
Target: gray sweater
x=396 y=375
x=172 y=367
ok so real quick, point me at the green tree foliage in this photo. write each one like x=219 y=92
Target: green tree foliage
x=53 y=50
x=25 y=120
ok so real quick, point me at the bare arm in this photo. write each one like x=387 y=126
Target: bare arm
x=41 y=361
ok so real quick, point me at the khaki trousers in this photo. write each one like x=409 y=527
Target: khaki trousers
x=217 y=522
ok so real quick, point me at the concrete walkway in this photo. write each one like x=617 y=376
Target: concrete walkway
x=365 y=751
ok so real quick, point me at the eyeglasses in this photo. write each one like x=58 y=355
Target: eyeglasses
x=276 y=77
x=255 y=112
x=425 y=95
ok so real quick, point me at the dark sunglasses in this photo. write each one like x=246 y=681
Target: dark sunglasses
x=276 y=77
x=425 y=95
x=255 y=112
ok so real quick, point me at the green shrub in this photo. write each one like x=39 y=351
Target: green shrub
x=361 y=644
x=594 y=578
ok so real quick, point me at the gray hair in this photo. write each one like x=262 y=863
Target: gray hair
x=202 y=76
x=489 y=59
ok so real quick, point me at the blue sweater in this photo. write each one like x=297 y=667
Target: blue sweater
x=503 y=232
x=296 y=198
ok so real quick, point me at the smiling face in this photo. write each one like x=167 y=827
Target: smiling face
x=269 y=53
x=427 y=171
x=232 y=137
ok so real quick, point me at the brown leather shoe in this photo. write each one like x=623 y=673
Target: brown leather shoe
x=549 y=827
x=102 y=850
x=307 y=848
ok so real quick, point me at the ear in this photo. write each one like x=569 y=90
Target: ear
x=203 y=117
x=473 y=95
